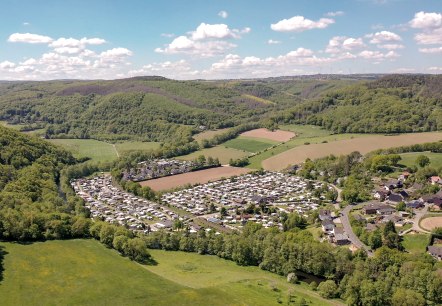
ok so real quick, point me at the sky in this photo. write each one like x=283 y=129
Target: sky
x=217 y=39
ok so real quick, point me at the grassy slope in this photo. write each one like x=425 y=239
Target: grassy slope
x=209 y=134
x=96 y=150
x=415 y=243
x=83 y=272
x=224 y=154
x=136 y=145
x=249 y=144
x=409 y=159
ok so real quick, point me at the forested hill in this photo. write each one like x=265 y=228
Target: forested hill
x=150 y=108
x=30 y=205
x=392 y=104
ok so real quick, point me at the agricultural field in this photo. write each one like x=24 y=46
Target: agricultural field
x=362 y=144
x=84 y=272
x=124 y=147
x=209 y=134
x=98 y=151
x=222 y=153
x=409 y=159
x=305 y=131
x=430 y=223
x=250 y=144
x=195 y=177
x=415 y=243
x=278 y=135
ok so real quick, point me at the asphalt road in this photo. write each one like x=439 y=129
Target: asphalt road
x=351 y=235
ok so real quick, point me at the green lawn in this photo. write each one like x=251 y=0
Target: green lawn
x=409 y=159
x=415 y=243
x=249 y=144
x=127 y=146
x=305 y=131
x=98 y=151
x=84 y=272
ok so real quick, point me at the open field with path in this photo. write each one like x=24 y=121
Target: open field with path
x=249 y=144
x=84 y=272
x=222 y=153
x=363 y=145
x=277 y=135
x=431 y=223
x=195 y=177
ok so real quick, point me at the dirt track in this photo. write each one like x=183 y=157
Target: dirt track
x=363 y=145
x=196 y=177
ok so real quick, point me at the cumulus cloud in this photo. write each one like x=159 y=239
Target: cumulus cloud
x=383 y=36
x=179 y=69
x=29 y=38
x=300 y=24
x=207 y=40
x=6 y=65
x=368 y=54
x=431 y=50
x=342 y=44
x=273 y=42
x=423 y=20
x=432 y=37
x=168 y=35
x=223 y=14
x=76 y=43
x=391 y=46
x=435 y=69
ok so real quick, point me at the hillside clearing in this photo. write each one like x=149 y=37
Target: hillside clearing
x=98 y=151
x=409 y=159
x=84 y=272
x=278 y=135
x=195 y=177
x=209 y=134
x=222 y=153
x=363 y=145
x=249 y=144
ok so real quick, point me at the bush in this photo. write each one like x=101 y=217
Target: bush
x=327 y=289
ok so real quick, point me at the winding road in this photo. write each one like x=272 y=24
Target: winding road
x=351 y=235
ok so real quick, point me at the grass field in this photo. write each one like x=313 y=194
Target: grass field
x=222 y=153
x=127 y=146
x=305 y=131
x=84 y=272
x=249 y=144
x=415 y=243
x=362 y=144
x=209 y=134
x=409 y=159
x=195 y=177
x=98 y=151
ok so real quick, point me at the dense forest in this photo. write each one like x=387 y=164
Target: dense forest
x=150 y=108
x=392 y=104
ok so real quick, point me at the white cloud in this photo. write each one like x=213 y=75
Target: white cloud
x=299 y=24
x=116 y=53
x=342 y=44
x=383 y=36
x=223 y=14
x=391 y=46
x=300 y=52
x=430 y=37
x=26 y=23
x=168 y=35
x=207 y=40
x=273 y=42
x=431 y=50
x=67 y=50
x=435 y=69
x=424 y=20
x=368 y=54
x=6 y=65
x=180 y=69
x=334 y=14
x=29 y=38
x=404 y=70
x=76 y=43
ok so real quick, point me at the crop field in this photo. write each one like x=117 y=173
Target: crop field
x=431 y=223
x=84 y=272
x=195 y=177
x=305 y=131
x=222 y=153
x=278 y=135
x=249 y=144
x=209 y=134
x=409 y=159
x=362 y=144
x=98 y=151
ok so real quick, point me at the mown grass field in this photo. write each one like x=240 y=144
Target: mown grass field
x=222 y=153
x=127 y=146
x=409 y=159
x=209 y=134
x=249 y=144
x=415 y=243
x=305 y=131
x=84 y=272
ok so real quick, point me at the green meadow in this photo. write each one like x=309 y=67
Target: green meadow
x=84 y=272
x=409 y=159
x=249 y=144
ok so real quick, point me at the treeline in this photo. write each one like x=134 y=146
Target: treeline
x=389 y=278
x=230 y=134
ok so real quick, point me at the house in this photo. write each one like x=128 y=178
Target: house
x=435 y=180
x=385 y=210
x=381 y=194
x=404 y=176
x=340 y=237
x=327 y=225
x=395 y=198
x=437 y=202
x=435 y=251
x=371 y=208
x=393 y=184
x=370 y=227
x=324 y=214
x=358 y=217
x=415 y=204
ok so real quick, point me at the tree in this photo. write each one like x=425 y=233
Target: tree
x=328 y=289
x=407 y=297
x=137 y=250
x=422 y=161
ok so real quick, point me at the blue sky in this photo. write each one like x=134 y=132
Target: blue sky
x=42 y=39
